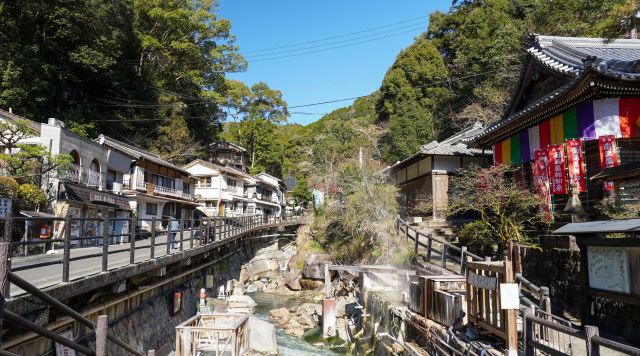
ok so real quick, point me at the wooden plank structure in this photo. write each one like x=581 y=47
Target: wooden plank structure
x=216 y=334
x=483 y=300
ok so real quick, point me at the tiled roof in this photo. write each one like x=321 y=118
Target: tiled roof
x=137 y=153
x=574 y=56
x=35 y=126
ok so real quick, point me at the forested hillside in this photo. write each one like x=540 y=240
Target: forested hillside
x=463 y=68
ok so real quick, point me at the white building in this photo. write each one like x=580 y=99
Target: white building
x=227 y=191
x=155 y=188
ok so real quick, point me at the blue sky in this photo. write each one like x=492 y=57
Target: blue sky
x=350 y=71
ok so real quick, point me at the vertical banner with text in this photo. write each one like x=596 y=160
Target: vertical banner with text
x=557 y=177
x=608 y=156
x=540 y=173
x=575 y=164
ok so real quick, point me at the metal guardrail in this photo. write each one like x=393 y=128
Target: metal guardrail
x=200 y=233
x=191 y=234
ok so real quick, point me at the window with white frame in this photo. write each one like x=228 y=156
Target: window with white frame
x=231 y=184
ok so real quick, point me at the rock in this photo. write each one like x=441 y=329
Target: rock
x=294 y=328
x=340 y=307
x=238 y=289
x=240 y=304
x=244 y=275
x=262 y=336
x=341 y=328
x=314 y=265
x=307 y=321
x=260 y=266
x=309 y=309
x=292 y=279
x=311 y=284
x=251 y=288
x=281 y=314
x=259 y=285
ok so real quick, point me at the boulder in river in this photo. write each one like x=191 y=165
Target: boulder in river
x=240 y=304
x=314 y=265
x=292 y=279
x=262 y=336
x=281 y=315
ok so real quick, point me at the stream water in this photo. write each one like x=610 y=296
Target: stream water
x=288 y=345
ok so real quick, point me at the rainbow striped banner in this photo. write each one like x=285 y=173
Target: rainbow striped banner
x=589 y=120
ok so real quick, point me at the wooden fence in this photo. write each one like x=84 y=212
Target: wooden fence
x=213 y=334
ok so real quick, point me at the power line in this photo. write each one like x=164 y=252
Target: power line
x=331 y=48
x=412 y=27
x=334 y=37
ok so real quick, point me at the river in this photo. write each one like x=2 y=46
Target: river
x=290 y=345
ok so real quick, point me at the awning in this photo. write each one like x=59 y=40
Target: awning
x=86 y=195
x=599 y=227
x=36 y=214
x=620 y=172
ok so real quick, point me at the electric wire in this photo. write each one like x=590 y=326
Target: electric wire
x=336 y=36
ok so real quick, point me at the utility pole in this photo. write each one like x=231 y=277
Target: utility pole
x=360 y=159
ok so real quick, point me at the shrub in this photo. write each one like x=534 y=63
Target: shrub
x=8 y=187
x=33 y=196
x=479 y=238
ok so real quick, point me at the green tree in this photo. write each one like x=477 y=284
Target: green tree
x=412 y=93
x=301 y=193
x=257 y=111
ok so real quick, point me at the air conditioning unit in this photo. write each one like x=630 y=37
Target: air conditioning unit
x=116 y=187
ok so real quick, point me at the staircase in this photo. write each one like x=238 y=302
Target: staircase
x=442 y=230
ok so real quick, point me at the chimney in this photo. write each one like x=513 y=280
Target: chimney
x=10 y=110
x=55 y=122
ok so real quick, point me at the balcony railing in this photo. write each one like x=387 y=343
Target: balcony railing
x=83 y=176
x=187 y=195
x=165 y=190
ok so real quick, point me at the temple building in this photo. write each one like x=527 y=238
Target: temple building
x=575 y=112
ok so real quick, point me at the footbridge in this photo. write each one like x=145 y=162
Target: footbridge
x=126 y=277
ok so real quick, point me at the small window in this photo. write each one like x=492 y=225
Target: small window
x=152 y=209
x=231 y=183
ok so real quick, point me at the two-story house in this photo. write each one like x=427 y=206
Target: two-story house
x=83 y=191
x=154 y=187
x=221 y=190
x=228 y=154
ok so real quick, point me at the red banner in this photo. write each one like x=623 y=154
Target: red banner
x=575 y=164
x=540 y=175
x=608 y=156
x=557 y=168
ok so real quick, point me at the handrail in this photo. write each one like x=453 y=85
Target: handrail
x=542 y=293
x=216 y=230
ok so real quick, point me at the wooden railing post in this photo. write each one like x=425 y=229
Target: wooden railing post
x=191 y=230
x=443 y=256
x=415 y=247
x=463 y=259
x=132 y=241
x=152 y=244
x=545 y=305
x=429 y=247
x=5 y=260
x=66 y=252
x=105 y=245
x=593 y=349
x=406 y=232
x=528 y=333
x=101 y=335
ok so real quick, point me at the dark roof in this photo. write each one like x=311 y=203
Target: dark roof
x=227 y=145
x=35 y=126
x=625 y=170
x=86 y=195
x=573 y=58
x=36 y=214
x=137 y=153
x=602 y=226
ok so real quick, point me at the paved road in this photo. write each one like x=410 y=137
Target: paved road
x=46 y=276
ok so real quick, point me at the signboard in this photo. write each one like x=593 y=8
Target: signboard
x=101 y=198
x=482 y=282
x=608 y=156
x=608 y=268
x=509 y=296
x=62 y=350
x=5 y=207
x=575 y=164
